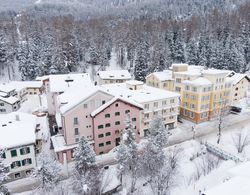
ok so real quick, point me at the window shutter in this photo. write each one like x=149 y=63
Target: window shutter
x=28 y=150
x=12 y=166
x=21 y=151
x=19 y=163
x=23 y=162
x=30 y=161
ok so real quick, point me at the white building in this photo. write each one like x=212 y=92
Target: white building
x=112 y=76
x=58 y=84
x=17 y=138
x=9 y=104
x=154 y=101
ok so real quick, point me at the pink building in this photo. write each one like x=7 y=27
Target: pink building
x=109 y=122
x=96 y=115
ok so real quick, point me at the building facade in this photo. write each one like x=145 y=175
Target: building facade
x=112 y=76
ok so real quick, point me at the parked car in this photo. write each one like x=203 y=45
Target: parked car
x=236 y=109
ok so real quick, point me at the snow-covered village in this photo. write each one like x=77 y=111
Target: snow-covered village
x=125 y=97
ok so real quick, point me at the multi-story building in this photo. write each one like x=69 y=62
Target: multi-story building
x=112 y=76
x=97 y=115
x=162 y=80
x=155 y=102
x=58 y=84
x=18 y=139
x=240 y=86
x=9 y=104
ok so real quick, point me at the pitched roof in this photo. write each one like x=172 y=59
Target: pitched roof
x=17 y=129
x=73 y=97
x=114 y=74
x=107 y=104
x=237 y=77
x=165 y=75
x=10 y=100
x=4 y=87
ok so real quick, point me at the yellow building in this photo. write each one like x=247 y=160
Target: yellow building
x=162 y=80
x=206 y=97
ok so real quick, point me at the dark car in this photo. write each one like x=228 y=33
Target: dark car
x=236 y=109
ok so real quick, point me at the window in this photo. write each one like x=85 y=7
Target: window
x=155 y=104
x=146 y=116
x=146 y=106
x=117 y=123
x=191 y=114
x=203 y=115
x=107 y=125
x=194 y=89
x=117 y=131
x=25 y=150
x=192 y=106
x=85 y=105
x=100 y=126
x=133 y=119
x=75 y=121
x=187 y=88
x=236 y=88
x=28 y=172
x=164 y=103
x=27 y=161
x=13 y=153
x=116 y=105
x=1 y=104
x=101 y=153
x=101 y=144
x=108 y=134
x=171 y=117
x=108 y=143
x=178 y=89
x=103 y=102
x=178 y=80
x=2 y=110
x=3 y=155
x=155 y=113
x=193 y=97
x=172 y=101
x=17 y=175
x=127 y=111
x=76 y=139
x=107 y=115
x=171 y=109
x=76 y=131
x=15 y=164
x=100 y=135
x=117 y=113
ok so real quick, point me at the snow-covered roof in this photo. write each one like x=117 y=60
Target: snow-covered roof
x=73 y=97
x=216 y=71
x=4 y=87
x=3 y=94
x=9 y=100
x=192 y=71
x=17 y=129
x=114 y=74
x=59 y=143
x=107 y=104
x=165 y=75
x=198 y=82
x=234 y=186
x=179 y=65
x=19 y=85
x=61 y=82
x=134 y=82
x=237 y=77
x=145 y=94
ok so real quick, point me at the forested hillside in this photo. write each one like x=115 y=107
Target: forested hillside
x=60 y=36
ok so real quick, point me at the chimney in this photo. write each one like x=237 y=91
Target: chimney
x=17 y=117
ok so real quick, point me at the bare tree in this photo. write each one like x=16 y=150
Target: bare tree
x=166 y=179
x=241 y=139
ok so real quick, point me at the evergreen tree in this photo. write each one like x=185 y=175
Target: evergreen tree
x=47 y=172
x=84 y=156
x=142 y=59
x=192 y=52
x=128 y=155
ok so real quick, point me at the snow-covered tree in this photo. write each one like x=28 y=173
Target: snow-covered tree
x=47 y=172
x=3 y=173
x=86 y=176
x=128 y=155
x=241 y=140
x=84 y=156
x=157 y=132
